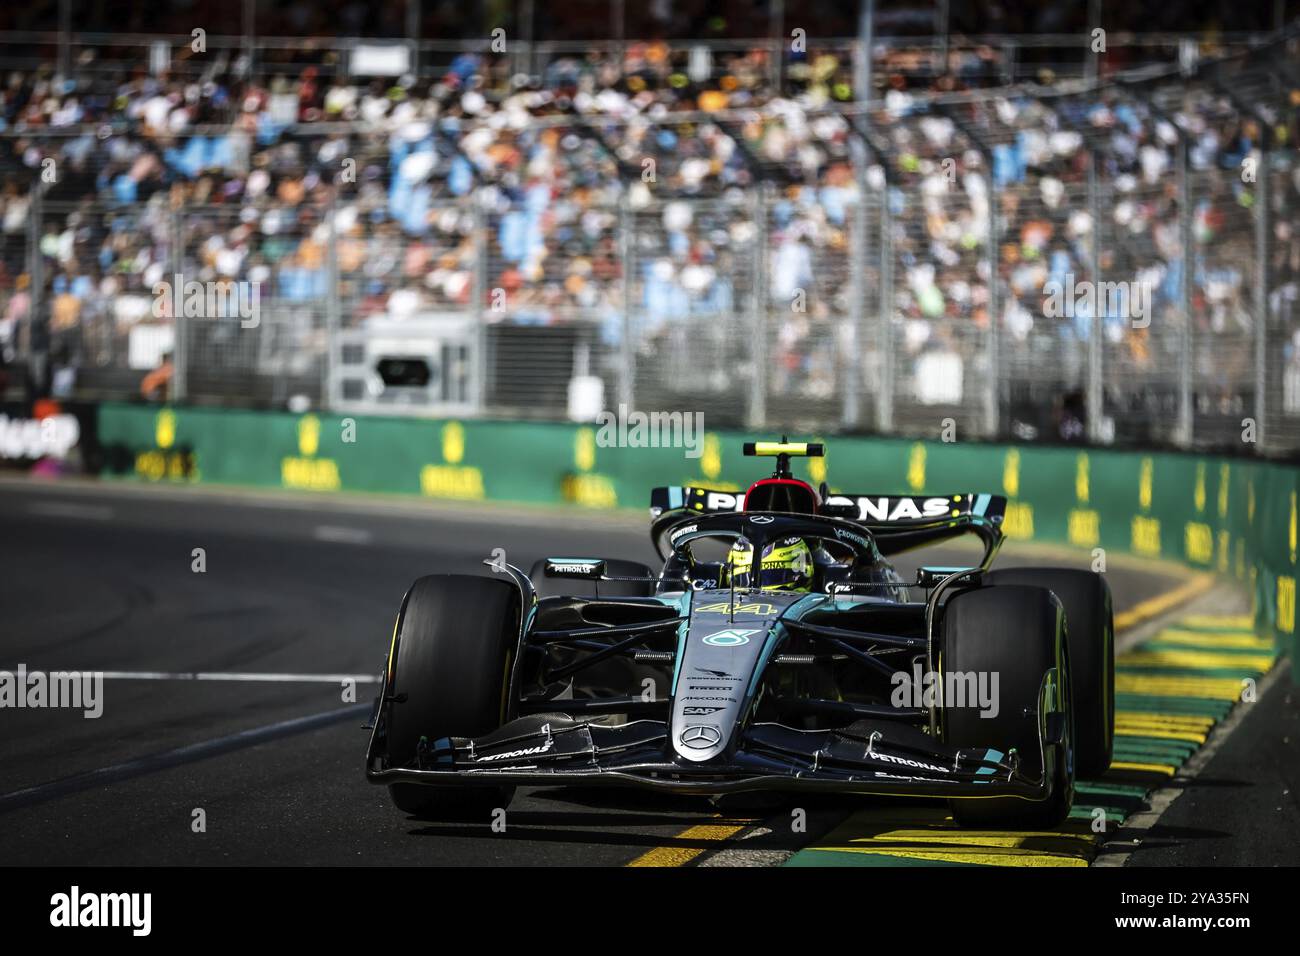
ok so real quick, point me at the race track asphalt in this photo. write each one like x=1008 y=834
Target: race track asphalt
x=101 y=579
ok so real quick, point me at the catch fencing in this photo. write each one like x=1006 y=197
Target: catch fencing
x=1086 y=265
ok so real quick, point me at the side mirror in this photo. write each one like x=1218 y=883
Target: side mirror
x=582 y=569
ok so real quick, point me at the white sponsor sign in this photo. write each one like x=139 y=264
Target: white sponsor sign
x=54 y=436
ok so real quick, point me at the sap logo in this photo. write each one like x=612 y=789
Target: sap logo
x=895 y=509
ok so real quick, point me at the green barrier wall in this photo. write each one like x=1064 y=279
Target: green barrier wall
x=1236 y=518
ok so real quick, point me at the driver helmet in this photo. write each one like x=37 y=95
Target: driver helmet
x=785 y=565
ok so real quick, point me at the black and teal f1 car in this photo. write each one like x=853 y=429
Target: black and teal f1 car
x=819 y=669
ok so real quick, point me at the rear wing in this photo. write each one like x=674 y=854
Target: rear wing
x=897 y=522
x=902 y=522
x=871 y=510
x=885 y=511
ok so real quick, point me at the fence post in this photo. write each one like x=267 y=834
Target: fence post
x=413 y=16
x=757 y=417
x=36 y=282
x=1095 y=381
x=852 y=364
x=776 y=44
x=627 y=353
x=1186 y=431
x=478 y=311
x=248 y=27
x=180 y=327
x=993 y=385
x=885 y=340
x=1263 y=198
x=333 y=302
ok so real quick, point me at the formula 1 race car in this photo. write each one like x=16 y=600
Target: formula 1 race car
x=776 y=649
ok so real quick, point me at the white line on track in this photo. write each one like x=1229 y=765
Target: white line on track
x=337 y=534
x=249 y=676
x=69 y=509
x=139 y=766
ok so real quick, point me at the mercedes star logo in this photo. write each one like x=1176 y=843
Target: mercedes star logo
x=700 y=737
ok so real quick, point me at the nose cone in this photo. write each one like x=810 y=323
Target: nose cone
x=698 y=742
x=724 y=646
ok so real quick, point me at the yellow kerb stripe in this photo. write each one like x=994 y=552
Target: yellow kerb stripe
x=704 y=833
x=1151 y=607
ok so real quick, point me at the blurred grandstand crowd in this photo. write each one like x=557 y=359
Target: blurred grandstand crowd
x=531 y=177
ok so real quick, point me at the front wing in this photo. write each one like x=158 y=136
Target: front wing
x=869 y=757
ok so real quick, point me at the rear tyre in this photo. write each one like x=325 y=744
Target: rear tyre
x=1090 y=633
x=614 y=567
x=1018 y=634
x=455 y=643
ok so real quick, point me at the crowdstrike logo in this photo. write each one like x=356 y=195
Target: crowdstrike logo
x=77 y=909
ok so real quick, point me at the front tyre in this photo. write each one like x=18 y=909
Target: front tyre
x=1018 y=634
x=453 y=650
x=1090 y=634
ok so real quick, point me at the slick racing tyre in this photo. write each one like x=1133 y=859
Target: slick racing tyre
x=454 y=646
x=1090 y=633
x=1018 y=634
x=614 y=568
